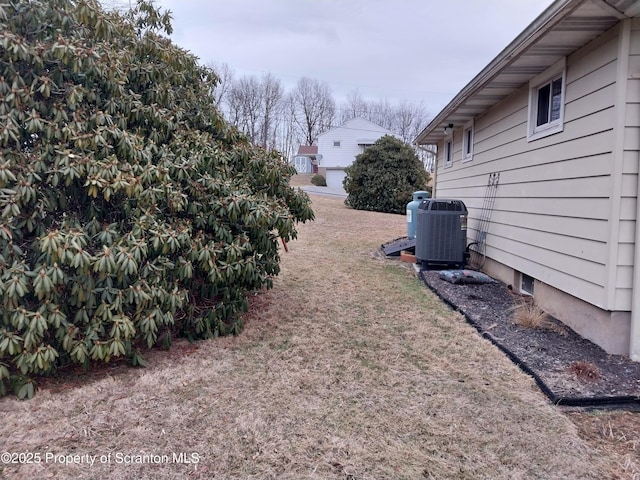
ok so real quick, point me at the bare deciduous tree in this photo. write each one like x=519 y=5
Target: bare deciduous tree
x=245 y=102
x=354 y=106
x=276 y=120
x=287 y=137
x=381 y=112
x=272 y=100
x=313 y=107
x=410 y=119
x=225 y=76
x=254 y=106
x=405 y=119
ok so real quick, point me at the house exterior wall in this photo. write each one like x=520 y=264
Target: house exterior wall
x=565 y=206
x=632 y=169
x=334 y=178
x=629 y=140
x=350 y=136
x=610 y=330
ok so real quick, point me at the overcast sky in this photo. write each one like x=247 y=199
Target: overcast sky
x=417 y=50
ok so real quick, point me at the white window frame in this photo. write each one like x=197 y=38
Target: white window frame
x=364 y=146
x=467 y=141
x=553 y=73
x=447 y=152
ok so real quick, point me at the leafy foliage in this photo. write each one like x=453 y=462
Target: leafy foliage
x=384 y=177
x=129 y=210
x=319 y=181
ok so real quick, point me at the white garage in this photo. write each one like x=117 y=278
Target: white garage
x=334 y=178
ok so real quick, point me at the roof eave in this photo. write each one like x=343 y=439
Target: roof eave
x=555 y=13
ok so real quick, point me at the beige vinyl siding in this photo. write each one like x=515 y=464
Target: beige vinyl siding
x=551 y=217
x=631 y=159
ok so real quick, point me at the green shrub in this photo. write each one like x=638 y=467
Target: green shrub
x=384 y=177
x=129 y=210
x=319 y=181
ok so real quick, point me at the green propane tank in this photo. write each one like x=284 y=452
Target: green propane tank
x=412 y=211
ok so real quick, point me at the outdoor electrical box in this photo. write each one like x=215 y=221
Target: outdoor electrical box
x=412 y=212
x=441 y=233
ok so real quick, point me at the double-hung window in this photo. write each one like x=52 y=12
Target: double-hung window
x=546 y=102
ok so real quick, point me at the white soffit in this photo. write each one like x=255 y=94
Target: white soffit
x=560 y=30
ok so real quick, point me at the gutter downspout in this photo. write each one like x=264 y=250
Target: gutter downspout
x=634 y=334
x=434 y=180
x=634 y=343
x=612 y=267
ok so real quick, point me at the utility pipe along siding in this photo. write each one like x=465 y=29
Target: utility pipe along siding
x=634 y=345
x=634 y=335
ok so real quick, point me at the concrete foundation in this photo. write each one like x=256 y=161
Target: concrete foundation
x=609 y=330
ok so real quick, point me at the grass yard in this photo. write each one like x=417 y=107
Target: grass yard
x=349 y=368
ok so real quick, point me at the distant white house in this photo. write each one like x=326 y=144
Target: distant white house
x=305 y=160
x=340 y=145
x=550 y=130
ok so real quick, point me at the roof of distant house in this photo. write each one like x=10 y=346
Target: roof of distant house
x=364 y=125
x=308 y=150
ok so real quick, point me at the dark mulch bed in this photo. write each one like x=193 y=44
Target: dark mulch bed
x=566 y=366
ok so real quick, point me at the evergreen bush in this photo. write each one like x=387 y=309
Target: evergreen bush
x=129 y=210
x=319 y=181
x=384 y=177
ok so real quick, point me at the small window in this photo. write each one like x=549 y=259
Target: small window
x=336 y=143
x=448 y=152
x=526 y=284
x=549 y=97
x=467 y=142
x=546 y=102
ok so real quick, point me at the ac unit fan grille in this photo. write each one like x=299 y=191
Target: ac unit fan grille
x=441 y=232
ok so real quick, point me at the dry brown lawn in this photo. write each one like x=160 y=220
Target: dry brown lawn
x=349 y=368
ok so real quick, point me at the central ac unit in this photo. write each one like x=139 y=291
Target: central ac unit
x=441 y=233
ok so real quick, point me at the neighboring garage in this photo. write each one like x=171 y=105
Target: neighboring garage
x=339 y=146
x=335 y=176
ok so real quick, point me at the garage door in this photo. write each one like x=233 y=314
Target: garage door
x=334 y=179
